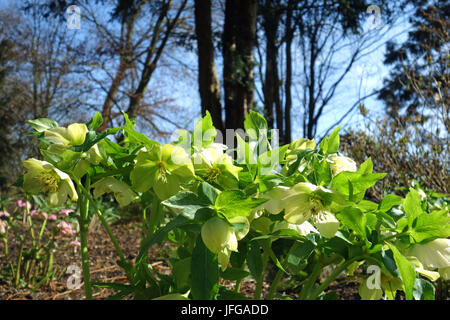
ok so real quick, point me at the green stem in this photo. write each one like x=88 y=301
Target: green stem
x=104 y=223
x=333 y=276
x=312 y=279
x=395 y=236
x=274 y=286
x=83 y=221
x=19 y=260
x=260 y=281
x=41 y=232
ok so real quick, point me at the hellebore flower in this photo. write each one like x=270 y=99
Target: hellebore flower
x=42 y=176
x=63 y=138
x=302 y=202
x=326 y=222
x=302 y=229
x=122 y=192
x=212 y=164
x=220 y=238
x=433 y=255
x=339 y=164
x=162 y=168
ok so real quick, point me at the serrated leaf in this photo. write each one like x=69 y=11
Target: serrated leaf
x=232 y=203
x=406 y=270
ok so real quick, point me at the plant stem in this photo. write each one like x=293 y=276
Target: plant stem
x=104 y=223
x=260 y=281
x=312 y=279
x=333 y=276
x=83 y=221
x=19 y=260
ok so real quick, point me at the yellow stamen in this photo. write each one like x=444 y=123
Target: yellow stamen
x=49 y=180
x=213 y=174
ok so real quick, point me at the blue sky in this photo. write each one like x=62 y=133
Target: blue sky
x=365 y=76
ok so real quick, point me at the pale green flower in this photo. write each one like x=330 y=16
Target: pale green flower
x=326 y=222
x=339 y=164
x=63 y=138
x=220 y=238
x=122 y=192
x=369 y=294
x=432 y=275
x=214 y=165
x=434 y=254
x=302 y=229
x=162 y=168
x=302 y=202
x=43 y=177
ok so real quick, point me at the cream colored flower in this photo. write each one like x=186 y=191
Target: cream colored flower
x=339 y=164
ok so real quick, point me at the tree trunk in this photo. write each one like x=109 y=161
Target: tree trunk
x=238 y=43
x=207 y=76
x=289 y=34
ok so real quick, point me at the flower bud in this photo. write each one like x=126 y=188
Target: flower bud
x=339 y=164
x=217 y=234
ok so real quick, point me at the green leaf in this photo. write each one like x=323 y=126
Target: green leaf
x=133 y=136
x=412 y=206
x=42 y=124
x=433 y=225
x=360 y=182
x=254 y=122
x=406 y=269
x=158 y=236
x=354 y=219
x=232 y=203
x=204 y=132
x=323 y=146
x=298 y=253
x=208 y=193
x=226 y=294
x=181 y=272
x=234 y=274
x=188 y=202
x=366 y=167
x=389 y=201
x=254 y=260
x=333 y=141
x=205 y=279
x=95 y=122
x=423 y=290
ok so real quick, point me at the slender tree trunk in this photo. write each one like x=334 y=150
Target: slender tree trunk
x=289 y=33
x=207 y=76
x=238 y=43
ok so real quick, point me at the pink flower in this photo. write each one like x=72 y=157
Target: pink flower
x=23 y=204
x=66 y=228
x=4 y=214
x=52 y=217
x=2 y=226
x=65 y=212
x=75 y=243
x=34 y=213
